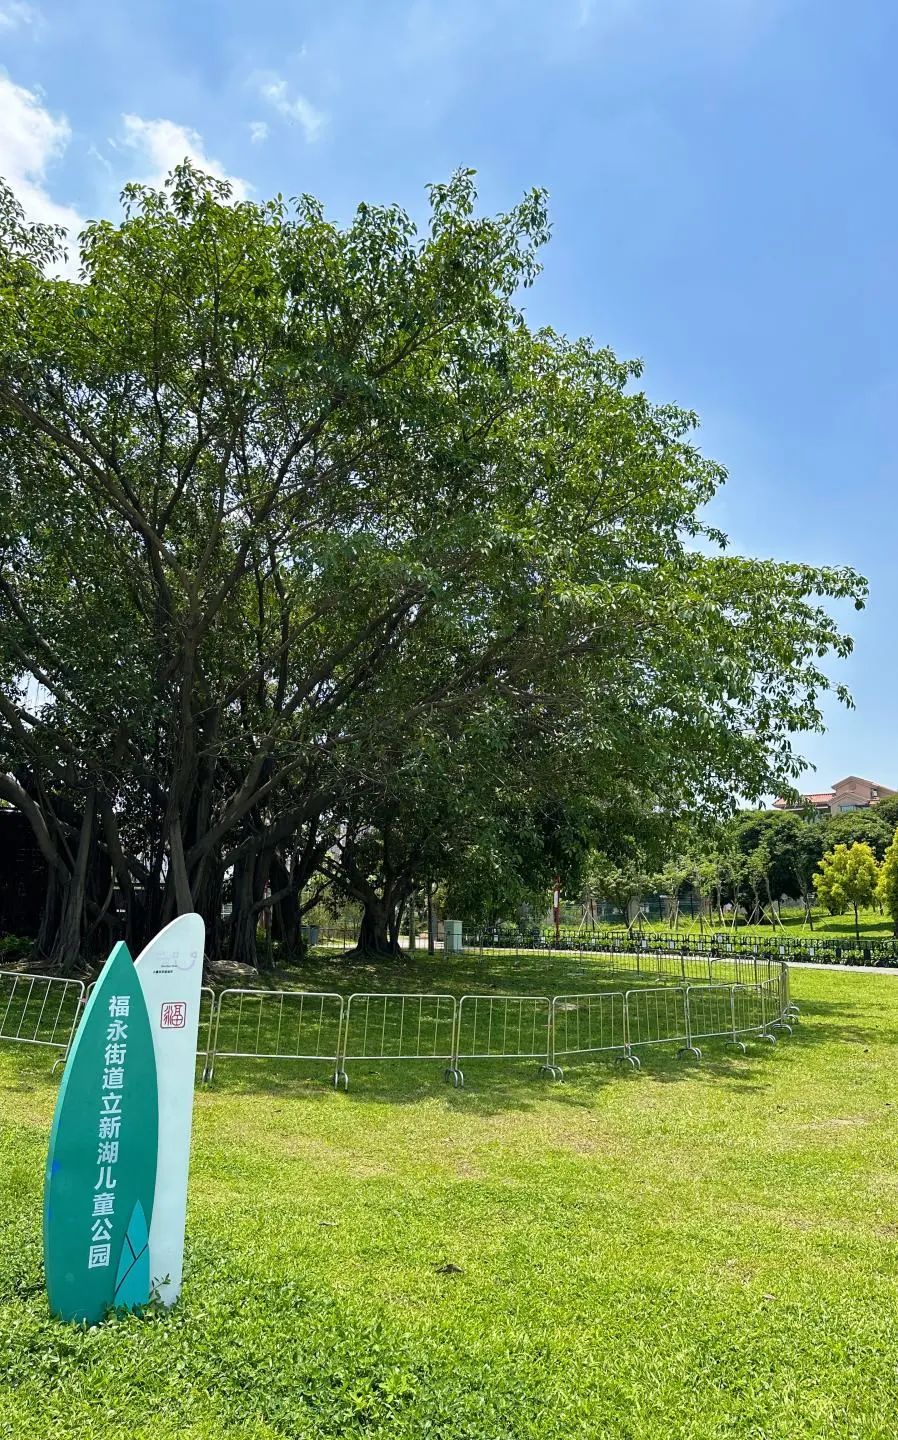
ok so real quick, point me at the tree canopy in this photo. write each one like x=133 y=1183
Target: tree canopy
x=858 y=827
x=847 y=878
x=316 y=560
x=887 y=889
x=887 y=810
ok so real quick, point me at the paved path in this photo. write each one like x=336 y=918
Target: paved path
x=848 y=969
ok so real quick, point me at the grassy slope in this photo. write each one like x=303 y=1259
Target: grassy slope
x=687 y=1253
x=871 y=924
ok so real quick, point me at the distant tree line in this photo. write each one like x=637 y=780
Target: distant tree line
x=742 y=867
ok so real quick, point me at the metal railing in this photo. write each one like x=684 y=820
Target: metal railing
x=657 y=1015
x=39 y=1009
x=502 y=1027
x=385 y=1025
x=881 y=950
x=588 y=1024
x=206 y=1024
x=748 y=997
x=725 y=1013
x=276 y=1025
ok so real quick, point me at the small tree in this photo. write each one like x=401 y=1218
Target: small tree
x=847 y=877
x=669 y=883
x=887 y=889
x=618 y=883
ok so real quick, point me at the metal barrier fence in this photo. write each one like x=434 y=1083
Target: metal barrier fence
x=617 y=940
x=842 y=950
x=588 y=1024
x=382 y=1025
x=657 y=1016
x=39 y=1009
x=377 y=1026
x=617 y=1022
x=207 y=1021
x=502 y=1027
x=276 y=1025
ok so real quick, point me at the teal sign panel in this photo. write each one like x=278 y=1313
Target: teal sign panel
x=101 y=1168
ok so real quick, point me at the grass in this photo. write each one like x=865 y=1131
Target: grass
x=871 y=924
x=688 y=1254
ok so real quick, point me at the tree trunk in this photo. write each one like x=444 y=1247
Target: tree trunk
x=395 y=925
x=51 y=912
x=374 y=932
x=207 y=891
x=261 y=891
x=182 y=893
x=285 y=918
x=119 y=864
x=412 y=926
x=242 y=946
x=66 y=949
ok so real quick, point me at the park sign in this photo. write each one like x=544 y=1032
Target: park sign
x=116 y=1184
x=170 y=971
x=101 y=1168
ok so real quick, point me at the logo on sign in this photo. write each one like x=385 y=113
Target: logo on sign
x=174 y=1015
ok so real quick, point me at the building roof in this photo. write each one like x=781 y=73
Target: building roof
x=859 y=780
x=822 y=799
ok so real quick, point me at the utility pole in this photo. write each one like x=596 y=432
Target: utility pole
x=556 y=908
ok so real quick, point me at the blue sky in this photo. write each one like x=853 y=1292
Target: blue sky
x=721 y=175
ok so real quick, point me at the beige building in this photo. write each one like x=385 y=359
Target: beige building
x=852 y=793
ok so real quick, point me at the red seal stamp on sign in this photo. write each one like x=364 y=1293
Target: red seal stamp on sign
x=174 y=1015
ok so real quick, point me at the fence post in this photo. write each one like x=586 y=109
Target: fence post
x=628 y=1058
x=207 y=990
x=453 y=1074
x=784 y=1015
x=689 y=1048
x=734 y=1039
x=791 y=1008
x=339 y=1076
x=766 y=1033
x=550 y=1067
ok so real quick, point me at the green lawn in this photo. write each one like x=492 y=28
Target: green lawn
x=690 y=1252
x=871 y=923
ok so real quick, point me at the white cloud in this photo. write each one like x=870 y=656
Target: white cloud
x=162 y=145
x=31 y=139
x=297 y=109
x=258 y=131
x=609 y=15
x=101 y=159
x=14 y=13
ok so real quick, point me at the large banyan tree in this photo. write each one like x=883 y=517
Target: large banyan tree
x=318 y=564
